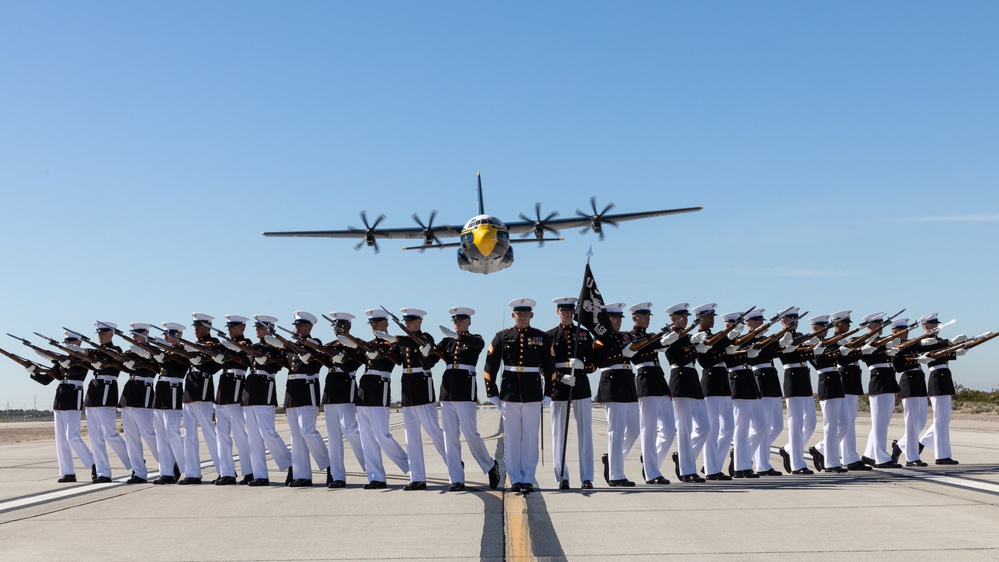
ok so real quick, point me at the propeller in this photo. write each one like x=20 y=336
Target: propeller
x=429 y=237
x=596 y=219
x=540 y=225
x=369 y=232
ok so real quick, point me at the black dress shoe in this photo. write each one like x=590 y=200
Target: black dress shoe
x=337 y=484
x=415 y=486
x=676 y=465
x=868 y=461
x=691 y=478
x=718 y=476
x=771 y=472
x=836 y=469
x=805 y=470
x=246 y=480
x=526 y=488
x=889 y=464
x=494 y=478
x=216 y=480
x=375 y=485
x=259 y=482
x=786 y=458
x=745 y=474
x=225 y=481
x=947 y=460
x=136 y=480
x=165 y=480
x=176 y=472
x=189 y=481
x=896 y=451
x=587 y=485
x=67 y=478
x=102 y=480
x=290 y=478
x=818 y=459
x=515 y=487
x=456 y=487
x=657 y=480
x=603 y=459
x=858 y=465
x=301 y=483
x=563 y=485
x=624 y=482
x=915 y=463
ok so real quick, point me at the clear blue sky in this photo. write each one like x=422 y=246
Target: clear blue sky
x=846 y=155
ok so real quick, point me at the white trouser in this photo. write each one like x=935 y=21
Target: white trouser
x=800 y=427
x=195 y=414
x=261 y=436
x=231 y=427
x=848 y=447
x=373 y=423
x=657 y=429
x=306 y=439
x=773 y=420
x=341 y=421
x=833 y=431
x=102 y=426
x=582 y=412
x=691 y=432
x=750 y=428
x=68 y=441
x=882 y=406
x=623 y=430
x=139 y=425
x=914 y=413
x=458 y=418
x=721 y=426
x=413 y=418
x=937 y=437
x=169 y=442
x=521 y=427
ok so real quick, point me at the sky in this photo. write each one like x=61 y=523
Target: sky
x=845 y=155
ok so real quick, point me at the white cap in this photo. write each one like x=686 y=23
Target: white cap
x=839 y=316
x=874 y=317
x=71 y=335
x=523 y=304
x=460 y=311
x=642 y=307
x=173 y=327
x=375 y=314
x=201 y=318
x=412 y=313
x=615 y=308
x=705 y=308
x=793 y=311
x=235 y=319
x=756 y=314
x=302 y=316
x=341 y=316
x=105 y=325
x=137 y=326
x=823 y=319
x=679 y=308
x=929 y=318
x=265 y=320
x=565 y=302
x=900 y=323
x=731 y=316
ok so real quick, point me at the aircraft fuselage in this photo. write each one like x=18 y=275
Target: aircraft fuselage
x=485 y=245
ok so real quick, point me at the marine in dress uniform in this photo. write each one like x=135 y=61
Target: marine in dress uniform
x=912 y=392
x=692 y=427
x=853 y=389
x=167 y=402
x=749 y=419
x=716 y=389
x=101 y=403
x=375 y=396
x=940 y=389
x=67 y=409
x=618 y=393
x=340 y=402
x=572 y=346
x=459 y=400
x=230 y=422
x=528 y=367
x=260 y=403
x=199 y=396
x=798 y=393
x=136 y=406
x=656 y=421
x=881 y=392
x=830 y=390
x=760 y=355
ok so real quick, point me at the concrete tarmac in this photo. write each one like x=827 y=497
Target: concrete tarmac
x=936 y=512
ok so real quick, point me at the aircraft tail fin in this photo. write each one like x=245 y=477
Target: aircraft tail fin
x=482 y=207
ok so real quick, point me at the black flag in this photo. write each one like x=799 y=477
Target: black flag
x=591 y=310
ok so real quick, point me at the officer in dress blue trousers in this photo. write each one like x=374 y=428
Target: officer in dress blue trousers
x=260 y=404
x=199 y=397
x=528 y=368
x=656 y=421
x=940 y=389
x=102 y=402
x=340 y=399
x=136 y=407
x=692 y=425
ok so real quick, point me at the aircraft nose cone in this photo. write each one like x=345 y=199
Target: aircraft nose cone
x=485 y=239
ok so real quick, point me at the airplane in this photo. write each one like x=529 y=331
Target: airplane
x=485 y=245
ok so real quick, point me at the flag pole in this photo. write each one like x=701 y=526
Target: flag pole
x=572 y=371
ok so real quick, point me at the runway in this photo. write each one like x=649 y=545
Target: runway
x=947 y=512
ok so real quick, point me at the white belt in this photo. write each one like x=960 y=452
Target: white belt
x=794 y=365
x=619 y=366
x=938 y=367
x=471 y=368
x=299 y=377
x=915 y=370
x=147 y=380
x=737 y=368
x=385 y=375
x=236 y=372
x=77 y=384
x=562 y=366
x=263 y=374
x=171 y=380
x=413 y=370
x=685 y=366
x=522 y=369
x=878 y=366
x=647 y=364
x=828 y=370
x=106 y=378
x=762 y=366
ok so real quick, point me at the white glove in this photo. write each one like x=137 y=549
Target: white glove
x=577 y=364
x=130 y=365
x=262 y=360
x=701 y=348
x=818 y=350
x=305 y=358
x=628 y=352
x=448 y=332
x=731 y=349
x=699 y=337
x=196 y=360
x=190 y=349
x=425 y=350
x=894 y=343
x=928 y=341
x=892 y=352
x=346 y=341
x=568 y=380
x=844 y=351
x=790 y=349
x=64 y=363
x=97 y=365
x=811 y=341
x=31 y=369
x=338 y=358
x=736 y=332
x=159 y=357
x=960 y=352
x=546 y=401
x=752 y=352
x=140 y=352
x=958 y=339
x=230 y=345
x=924 y=359
x=867 y=349
x=494 y=400
x=786 y=339
x=220 y=358
x=273 y=341
x=371 y=355
x=669 y=339
x=385 y=336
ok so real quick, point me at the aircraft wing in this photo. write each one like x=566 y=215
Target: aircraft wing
x=447 y=231
x=520 y=227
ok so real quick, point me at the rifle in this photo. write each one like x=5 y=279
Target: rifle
x=305 y=341
x=860 y=341
x=966 y=344
x=242 y=347
x=753 y=333
x=109 y=352
x=931 y=333
x=718 y=337
x=68 y=350
x=196 y=347
x=638 y=345
x=150 y=349
x=777 y=336
x=292 y=347
x=893 y=335
x=163 y=346
x=414 y=335
x=24 y=362
x=52 y=356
